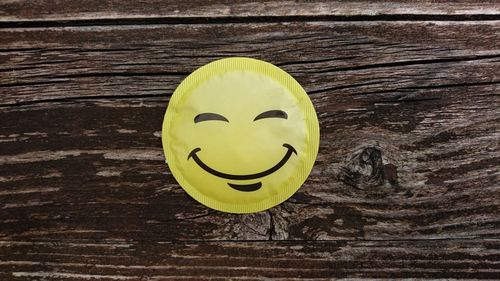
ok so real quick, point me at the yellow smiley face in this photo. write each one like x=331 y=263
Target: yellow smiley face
x=240 y=135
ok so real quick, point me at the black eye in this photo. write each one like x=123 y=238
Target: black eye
x=272 y=114
x=209 y=117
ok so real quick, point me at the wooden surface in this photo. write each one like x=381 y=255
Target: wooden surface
x=406 y=184
x=50 y=11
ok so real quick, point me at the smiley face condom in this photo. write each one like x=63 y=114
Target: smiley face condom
x=240 y=135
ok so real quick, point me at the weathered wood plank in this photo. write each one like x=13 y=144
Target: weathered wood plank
x=408 y=112
x=120 y=260
x=348 y=58
x=93 y=9
x=394 y=170
x=409 y=154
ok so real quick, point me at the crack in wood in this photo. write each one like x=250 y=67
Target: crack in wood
x=243 y=19
x=272 y=230
x=85 y=98
x=409 y=62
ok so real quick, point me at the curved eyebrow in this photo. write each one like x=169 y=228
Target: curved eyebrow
x=209 y=116
x=272 y=114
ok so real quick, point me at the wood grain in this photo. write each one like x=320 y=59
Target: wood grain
x=409 y=149
x=222 y=260
x=405 y=184
x=363 y=59
x=91 y=10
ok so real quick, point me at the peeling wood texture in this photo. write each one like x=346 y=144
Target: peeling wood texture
x=406 y=184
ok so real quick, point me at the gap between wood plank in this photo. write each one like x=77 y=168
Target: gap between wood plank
x=244 y=19
x=215 y=241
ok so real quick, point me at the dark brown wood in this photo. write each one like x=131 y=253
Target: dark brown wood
x=354 y=61
x=405 y=185
x=220 y=260
x=44 y=10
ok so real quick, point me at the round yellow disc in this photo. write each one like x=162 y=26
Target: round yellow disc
x=240 y=135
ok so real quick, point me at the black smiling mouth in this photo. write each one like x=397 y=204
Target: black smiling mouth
x=246 y=187
x=243 y=187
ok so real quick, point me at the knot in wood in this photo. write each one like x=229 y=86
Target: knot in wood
x=367 y=170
